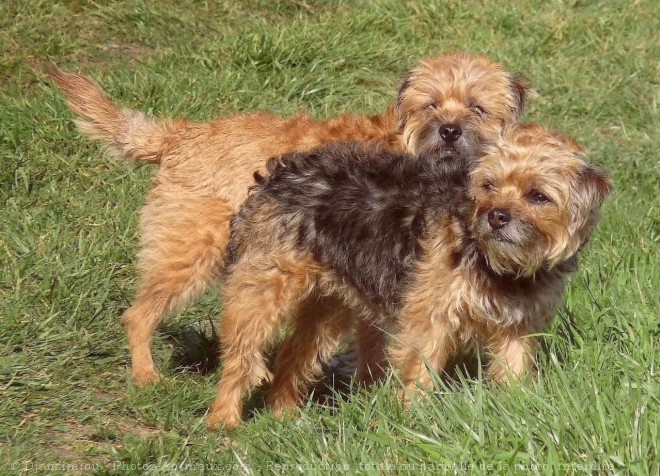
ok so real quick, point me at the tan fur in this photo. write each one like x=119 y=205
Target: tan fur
x=206 y=169
x=470 y=85
x=449 y=305
x=527 y=158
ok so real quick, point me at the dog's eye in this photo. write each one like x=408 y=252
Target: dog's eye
x=537 y=197
x=478 y=109
x=487 y=186
x=433 y=106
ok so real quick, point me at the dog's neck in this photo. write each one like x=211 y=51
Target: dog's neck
x=509 y=282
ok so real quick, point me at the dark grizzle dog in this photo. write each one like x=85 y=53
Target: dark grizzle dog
x=438 y=256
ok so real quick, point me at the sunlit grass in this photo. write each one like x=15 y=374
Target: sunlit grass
x=68 y=235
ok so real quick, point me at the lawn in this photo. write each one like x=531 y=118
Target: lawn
x=69 y=234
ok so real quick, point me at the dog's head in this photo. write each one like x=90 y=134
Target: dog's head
x=536 y=200
x=453 y=104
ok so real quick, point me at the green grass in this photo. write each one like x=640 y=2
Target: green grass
x=68 y=235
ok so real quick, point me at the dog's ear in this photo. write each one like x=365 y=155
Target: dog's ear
x=595 y=185
x=405 y=84
x=592 y=187
x=519 y=89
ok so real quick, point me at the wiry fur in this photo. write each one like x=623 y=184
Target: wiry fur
x=389 y=192
x=206 y=168
x=398 y=242
x=472 y=99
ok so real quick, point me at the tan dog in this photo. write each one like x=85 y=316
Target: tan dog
x=411 y=245
x=449 y=105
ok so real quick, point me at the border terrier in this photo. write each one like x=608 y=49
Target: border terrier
x=442 y=255
x=448 y=106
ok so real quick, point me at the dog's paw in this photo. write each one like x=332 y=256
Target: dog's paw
x=142 y=378
x=220 y=419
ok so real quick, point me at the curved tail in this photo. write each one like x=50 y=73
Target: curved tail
x=125 y=132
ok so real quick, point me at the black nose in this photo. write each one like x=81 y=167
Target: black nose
x=450 y=132
x=498 y=218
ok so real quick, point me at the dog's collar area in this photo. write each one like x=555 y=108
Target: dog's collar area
x=509 y=281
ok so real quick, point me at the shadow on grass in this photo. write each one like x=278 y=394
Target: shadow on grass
x=197 y=351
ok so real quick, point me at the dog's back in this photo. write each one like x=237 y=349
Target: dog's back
x=360 y=210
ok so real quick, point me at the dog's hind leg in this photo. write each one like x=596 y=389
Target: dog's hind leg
x=318 y=328
x=183 y=248
x=260 y=293
x=372 y=355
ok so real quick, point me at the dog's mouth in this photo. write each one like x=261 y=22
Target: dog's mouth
x=430 y=142
x=441 y=152
x=511 y=249
x=500 y=242
x=515 y=234
x=500 y=238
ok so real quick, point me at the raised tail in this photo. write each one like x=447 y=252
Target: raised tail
x=125 y=132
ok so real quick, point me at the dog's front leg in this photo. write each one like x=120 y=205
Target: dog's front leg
x=512 y=355
x=421 y=347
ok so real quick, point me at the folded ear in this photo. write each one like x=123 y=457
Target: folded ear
x=595 y=184
x=519 y=88
x=405 y=84
x=592 y=187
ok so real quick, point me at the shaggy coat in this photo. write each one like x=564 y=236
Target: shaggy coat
x=449 y=105
x=363 y=218
x=441 y=255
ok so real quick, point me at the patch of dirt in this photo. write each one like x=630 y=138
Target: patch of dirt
x=134 y=428
x=131 y=50
x=76 y=445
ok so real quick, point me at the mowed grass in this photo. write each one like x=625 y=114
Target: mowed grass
x=69 y=234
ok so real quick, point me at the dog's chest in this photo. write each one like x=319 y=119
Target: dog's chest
x=472 y=299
